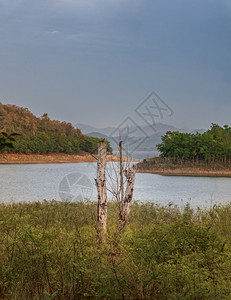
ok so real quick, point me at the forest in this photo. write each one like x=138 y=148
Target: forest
x=212 y=145
x=42 y=135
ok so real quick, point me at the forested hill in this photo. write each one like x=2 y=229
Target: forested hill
x=42 y=135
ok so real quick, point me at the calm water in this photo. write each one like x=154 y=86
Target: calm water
x=139 y=154
x=74 y=181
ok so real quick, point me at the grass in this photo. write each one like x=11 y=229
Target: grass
x=49 y=250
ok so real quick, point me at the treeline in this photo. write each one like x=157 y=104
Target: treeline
x=212 y=145
x=42 y=135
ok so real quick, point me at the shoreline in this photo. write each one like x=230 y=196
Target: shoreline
x=187 y=172
x=16 y=158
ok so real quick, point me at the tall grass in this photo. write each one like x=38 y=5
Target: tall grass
x=49 y=251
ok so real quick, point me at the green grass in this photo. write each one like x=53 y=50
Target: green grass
x=49 y=251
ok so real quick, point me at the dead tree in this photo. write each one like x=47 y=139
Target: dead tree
x=130 y=175
x=121 y=196
x=102 y=193
x=125 y=201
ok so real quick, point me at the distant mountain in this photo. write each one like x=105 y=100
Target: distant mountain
x=97 y=135
x=158 y=128
x=87 y=129
x=141 y=138
x=137 y=131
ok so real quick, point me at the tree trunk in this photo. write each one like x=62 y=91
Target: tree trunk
x=123 y=215
x=102 y=193
x=121 y=204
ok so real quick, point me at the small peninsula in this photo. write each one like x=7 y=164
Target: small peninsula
x=192 y=154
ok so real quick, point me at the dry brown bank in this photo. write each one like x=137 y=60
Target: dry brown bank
x=15 y=158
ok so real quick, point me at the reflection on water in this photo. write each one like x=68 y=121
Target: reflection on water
x=32 y=182
x=139 y=154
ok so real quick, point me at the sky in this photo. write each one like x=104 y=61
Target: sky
x=95 y=61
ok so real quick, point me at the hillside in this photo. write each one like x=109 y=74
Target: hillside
x=40 y=135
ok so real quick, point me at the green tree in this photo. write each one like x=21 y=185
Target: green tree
x=212 y=145
x=7 y=140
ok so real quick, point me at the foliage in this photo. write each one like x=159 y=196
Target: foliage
x=214 y=144
x=49 y=251
x=42 y=135
x=7 y=140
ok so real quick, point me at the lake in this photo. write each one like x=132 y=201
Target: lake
x=75 y=181
x=139 y=154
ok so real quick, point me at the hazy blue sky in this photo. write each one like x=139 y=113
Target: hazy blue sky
x=94 y=61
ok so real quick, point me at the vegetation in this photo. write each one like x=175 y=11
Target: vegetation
x=49 y=251
x=210 y=146
x=7 y=140
x=42 y=135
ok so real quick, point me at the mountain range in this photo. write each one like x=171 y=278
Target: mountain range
x=137 y=138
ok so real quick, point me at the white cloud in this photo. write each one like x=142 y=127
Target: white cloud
x=53 y=32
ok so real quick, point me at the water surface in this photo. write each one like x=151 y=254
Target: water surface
x=35 y=182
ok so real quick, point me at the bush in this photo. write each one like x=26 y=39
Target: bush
x=49 y=251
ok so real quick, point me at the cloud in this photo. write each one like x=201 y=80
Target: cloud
x=53 y=32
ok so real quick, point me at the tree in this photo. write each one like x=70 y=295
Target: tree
x=42 y=135
x=116 y=188
x=212 y=145
x=102 y=192
x=7 y=140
